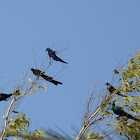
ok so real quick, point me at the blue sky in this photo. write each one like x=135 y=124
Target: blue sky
x=95 y=35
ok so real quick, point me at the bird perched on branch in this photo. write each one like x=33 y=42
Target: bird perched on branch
x=47 y=78
x=111 y=89
x=4 y=97
x=118 y=111
x=52 y=54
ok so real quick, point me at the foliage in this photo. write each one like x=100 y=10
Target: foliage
x=99 y=115
x=19 y=124
x=129 y=86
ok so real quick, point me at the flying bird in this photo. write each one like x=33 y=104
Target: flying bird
x=118 y=111
x=111 y=89
x=4 y=97
x=47 y=78
x=52 y=54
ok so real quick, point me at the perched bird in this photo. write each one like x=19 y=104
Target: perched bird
x=118 y=110
x=52 y=54
x=4 y=97
x=47 y=78
x=111 y=89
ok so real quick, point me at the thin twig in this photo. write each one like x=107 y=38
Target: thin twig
x=4 y=130
x=88 y=124
x=9 y=109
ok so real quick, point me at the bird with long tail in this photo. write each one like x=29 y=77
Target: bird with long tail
x=52 y=54
x=111 y=89
x=47 y=78
x=118 y=111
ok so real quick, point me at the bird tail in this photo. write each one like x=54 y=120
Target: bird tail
x=137 y=119
x=56 y=58
x=50 y=79
x=7 y=96
x=133 y=118
x=55 y=82
x=121 y=94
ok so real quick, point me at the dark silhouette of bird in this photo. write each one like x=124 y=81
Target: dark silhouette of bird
x=52 y=54
x=47 y=78
x=111 y=89
x=4 y=97
x=118 y=111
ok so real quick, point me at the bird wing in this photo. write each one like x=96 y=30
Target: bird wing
x=4 y=96
x=50 y=79
x=56 y=58
x=47 y=78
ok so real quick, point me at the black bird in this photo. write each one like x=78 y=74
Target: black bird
x=52 y=54
x=111 y=89
x=4 y=97
x=118 y=111
x=47 y=78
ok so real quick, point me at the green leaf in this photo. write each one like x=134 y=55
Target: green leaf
x=30 y=80
x=4 y=116
x=40 y=133
x=45 y=87
x=15 y=112
x=117 y=72
x=35 y=90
